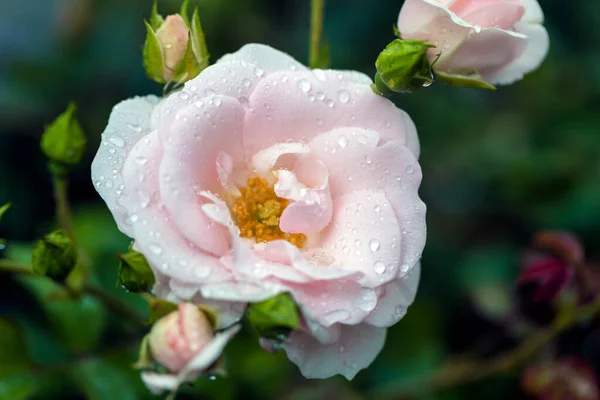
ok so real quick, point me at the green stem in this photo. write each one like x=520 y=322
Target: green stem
x=459 y=373
x=316 y=32
x=15 y=267
x=63 y=209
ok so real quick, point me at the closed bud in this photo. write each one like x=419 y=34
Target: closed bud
x=135 y=274
x=403 y=67
x=175 y=49
x=54 y=256
x=63 y=141
x=179 y=336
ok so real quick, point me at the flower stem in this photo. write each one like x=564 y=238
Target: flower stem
x=63 y=209
x=316 y=31
x=458 y=373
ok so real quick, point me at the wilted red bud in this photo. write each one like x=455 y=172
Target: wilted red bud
x=563 y=244
x=547 y=274
x=564 y=379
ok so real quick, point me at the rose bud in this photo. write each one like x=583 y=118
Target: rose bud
x=175 y=48
x=54 y=256
x=185 y=343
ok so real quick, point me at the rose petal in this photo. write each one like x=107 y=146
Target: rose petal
x=129 y=121
x=198 y=135
x=155 y=235
x=356 y=349
x=395 y=299
x=266 y=57
x=538 y=43
x=502 y=15
x=306 y=104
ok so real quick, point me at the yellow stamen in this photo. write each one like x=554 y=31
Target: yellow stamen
x=257 y=214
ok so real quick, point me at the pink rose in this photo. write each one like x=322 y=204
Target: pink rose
x=183 y=341
x=502 y=40
x=262 y=177
x=173 y=35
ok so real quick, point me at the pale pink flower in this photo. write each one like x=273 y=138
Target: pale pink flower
x=502 y=40
x=338 y=161
x=184 y=342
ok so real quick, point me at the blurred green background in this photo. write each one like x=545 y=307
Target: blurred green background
x=497 y=168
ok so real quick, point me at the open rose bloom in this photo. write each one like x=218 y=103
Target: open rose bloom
x=262 y=177
x=502 y=40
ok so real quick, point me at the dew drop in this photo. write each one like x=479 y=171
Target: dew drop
x=258 y=71
x=141 y=160
x=320 y=74
x=379 y=267
x=330 y=103
x=343 y=96
x=337 y=316
x=184 y=95
x=135 y=128
x=377 y=209
x=246 y=83
x=304 y=85
x=374 y=245
x=117 y=141
x=343 y=142
x=410 y=169
x=404 y=268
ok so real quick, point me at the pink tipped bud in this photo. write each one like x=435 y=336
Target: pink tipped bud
x=176 y=338
x=173 y=35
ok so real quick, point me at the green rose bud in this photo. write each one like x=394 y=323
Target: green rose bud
x=135 y=275
x=275 y=316
x=54 y=256
x=63 y=141
x=175 y=48
x=403 y=67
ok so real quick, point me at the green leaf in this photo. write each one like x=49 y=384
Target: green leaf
x=199 y=41
x=274 y=316
x=18 y=384
x=185 y=5
x=153 y=56
x=145 y=359
x=188 y=68
x=77 y=323
x=63 y=141
x=468 y=79
x=14 y=349
x=135 y=274
x=4 y=209
x=100 y=379
x=156 y=20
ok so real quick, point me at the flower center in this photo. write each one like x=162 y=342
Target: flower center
x=257 y=214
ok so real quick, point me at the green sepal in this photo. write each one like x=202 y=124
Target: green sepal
x=468 y=79
x=145 y=359
x=63 y=141
x=199 y=41
x=275 y=316
x=403 y=67
x=135 y=274
x=188 y=68
x=54 y=256
x=185 y=5
x=156 y=20
x=153 y=56
x=4 y=209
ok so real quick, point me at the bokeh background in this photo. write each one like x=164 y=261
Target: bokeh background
x=498 y=166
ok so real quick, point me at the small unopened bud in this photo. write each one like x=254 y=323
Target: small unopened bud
x=173 y=36
x=63 y=141
x=179 y=336
x=403 y=67
x=175 y=48
x=54 y=256
x=135 y=274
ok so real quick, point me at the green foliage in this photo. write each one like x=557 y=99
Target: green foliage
x=135 y=274
x=274 y=316
x=77 y=323
x=63 y=141
x=54 y=256
x=4 y=209
x=18 y=385
x=14 y=349
x=101 y=379
x=153 y=56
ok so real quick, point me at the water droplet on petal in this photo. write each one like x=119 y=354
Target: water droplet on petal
x=343 y=142
x=377 y=209
x=336 y=316
x=155 y=248
x=410 y=169
x=141 y=160
x=258 y=71
x=117 y=141
x=379 y=267
x=320 y=74
x=343 y=96
x=304 y=85
x=374 y=245
x=246 y=83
